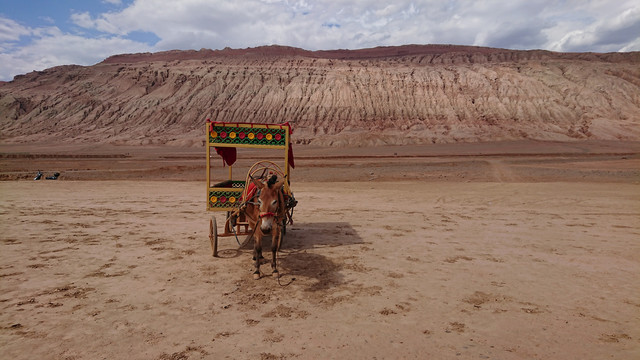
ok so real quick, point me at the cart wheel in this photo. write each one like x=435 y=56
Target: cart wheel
x=213 y=235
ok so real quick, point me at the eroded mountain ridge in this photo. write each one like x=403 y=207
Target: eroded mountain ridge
x=389 y=95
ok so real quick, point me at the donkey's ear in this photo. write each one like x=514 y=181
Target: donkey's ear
x=259 y=184
x=278 y=185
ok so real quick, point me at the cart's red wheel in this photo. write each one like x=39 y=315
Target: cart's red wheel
x=213 y=236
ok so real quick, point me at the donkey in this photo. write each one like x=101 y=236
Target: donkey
x=265 y=217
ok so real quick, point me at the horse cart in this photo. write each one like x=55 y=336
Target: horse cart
x=239 y=198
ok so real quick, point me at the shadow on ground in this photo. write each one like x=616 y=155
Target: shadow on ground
x=297 y=258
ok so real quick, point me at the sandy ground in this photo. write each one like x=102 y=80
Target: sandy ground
x=370 y=270
x=518 y=161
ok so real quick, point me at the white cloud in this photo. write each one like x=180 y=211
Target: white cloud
x=11 y=30
x=610 y=34
x=53 y=48
x=632 y=46
x=329 y=24
x=83 y=20
x=569 y=25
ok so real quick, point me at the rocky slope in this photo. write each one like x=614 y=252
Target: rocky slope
x=390 y=95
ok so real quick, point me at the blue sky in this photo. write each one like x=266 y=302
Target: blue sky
x=38 y=34
x=58 y=13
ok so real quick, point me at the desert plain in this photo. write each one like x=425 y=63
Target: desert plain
x=502 y=250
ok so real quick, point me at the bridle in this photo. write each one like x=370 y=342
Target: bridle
x=267 y=214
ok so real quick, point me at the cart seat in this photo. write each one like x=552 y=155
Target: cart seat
x=224 y=184
x=251 y=192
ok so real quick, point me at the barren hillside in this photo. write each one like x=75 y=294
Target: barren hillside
x=391 y=95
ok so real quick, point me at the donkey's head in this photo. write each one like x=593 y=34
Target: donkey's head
x=269 y=202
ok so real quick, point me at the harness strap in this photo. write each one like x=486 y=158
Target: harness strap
x=267 y=214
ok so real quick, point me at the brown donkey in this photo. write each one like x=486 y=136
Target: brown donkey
x=265 y=213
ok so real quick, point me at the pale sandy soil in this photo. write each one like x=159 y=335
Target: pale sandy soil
x=371 y=270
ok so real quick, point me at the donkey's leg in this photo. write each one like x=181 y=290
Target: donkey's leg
x=253 y=236
x=257 y=253
x=275 y=240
